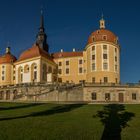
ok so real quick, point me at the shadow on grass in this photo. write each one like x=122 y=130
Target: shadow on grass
x=19 y=106
x=114 y=118
x=54 y=110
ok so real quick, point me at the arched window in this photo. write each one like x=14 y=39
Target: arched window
x=34 y=72
x=20 y=74
x=15 y=94
x=26 y=69
x=93 y=38
x=50 y=69
x=8 y=95
x=1 y=95
x=44 y=75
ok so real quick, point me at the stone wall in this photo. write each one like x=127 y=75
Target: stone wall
x=90 y=93
x=117 y=93
x=42 y=92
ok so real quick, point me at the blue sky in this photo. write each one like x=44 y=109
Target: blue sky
x=68 y=25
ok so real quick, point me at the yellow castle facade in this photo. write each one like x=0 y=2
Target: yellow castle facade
x=99 y=62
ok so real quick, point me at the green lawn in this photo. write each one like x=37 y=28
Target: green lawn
x=69 y=122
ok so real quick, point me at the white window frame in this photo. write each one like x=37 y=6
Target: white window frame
x=93 y=52
x=105 y=60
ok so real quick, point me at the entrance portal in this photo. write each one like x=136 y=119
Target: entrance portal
x=121 y=97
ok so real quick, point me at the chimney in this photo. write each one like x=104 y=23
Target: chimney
x=61 y=50
x=73 y=49
x=8 y=50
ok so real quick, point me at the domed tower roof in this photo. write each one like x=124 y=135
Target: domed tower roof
x=8 y=57
x=102 y=34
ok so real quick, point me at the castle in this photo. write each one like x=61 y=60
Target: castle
x=97 y=68
x=99 y=62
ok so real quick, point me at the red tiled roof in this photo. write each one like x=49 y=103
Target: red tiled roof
x=7 y=58
x=98 y=36
x=34 y=51
x=66 y=54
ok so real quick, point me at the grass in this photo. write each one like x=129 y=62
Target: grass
x=69 y=122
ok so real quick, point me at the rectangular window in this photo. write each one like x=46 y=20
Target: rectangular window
x=59 y=71
x=104 y=56
x=54 y=71
x=1 y=95
x=104 y=47
x=80 y=70
x=134 y=96
x=21 y=77
x=107 y=96
x=67 y=63
x=105 y=79
x=60 y=64
x=115 y=50
x=93 y=80
x=3 y=72
x=93 y=48
x=116 y=80
x=94 y=96
x=105 y=66
x=116 y=68
x=115 y=58
x=93 y=66
x=2 y=78
x=35 y=75
x=3 y=67
x=67 y=71
x=8 y=95
x=93 y=57
x=49 y=69
x=80 y=61
x=14 y=78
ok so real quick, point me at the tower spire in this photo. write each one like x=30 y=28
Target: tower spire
x=42 y=21
x=102 y=22
x=8 y=48
x=102 y=16
x=41 y=36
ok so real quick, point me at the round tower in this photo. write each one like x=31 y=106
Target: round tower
x=103 y=56
x=7 y=75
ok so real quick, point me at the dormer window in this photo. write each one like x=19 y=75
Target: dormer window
x=104 y=37
x=93 y=39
